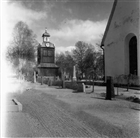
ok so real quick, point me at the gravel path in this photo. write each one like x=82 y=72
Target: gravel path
x=53 y=119
x=55 y=112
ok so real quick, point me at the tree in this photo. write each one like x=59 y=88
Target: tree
x=100 y=65
x=22 y=47
x=60 y=61
x=93 y=61
x=93 y=64
x=79 y=55
x=69 y=63
x=65 y=62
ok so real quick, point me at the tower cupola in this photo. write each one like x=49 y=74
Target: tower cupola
x=45 y=36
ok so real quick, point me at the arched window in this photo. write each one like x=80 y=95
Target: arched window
x=131 y=62
x=133 y=55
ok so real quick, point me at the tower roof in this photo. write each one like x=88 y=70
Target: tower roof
x=46 y=33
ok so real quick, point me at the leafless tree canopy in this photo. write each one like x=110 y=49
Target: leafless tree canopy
x=21 y=50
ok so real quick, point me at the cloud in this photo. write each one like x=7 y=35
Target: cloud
x=79 y=30
x=63 y=49
x=14 y=12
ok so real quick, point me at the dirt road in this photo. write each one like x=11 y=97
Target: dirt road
x=51 y=120
x=50 y=113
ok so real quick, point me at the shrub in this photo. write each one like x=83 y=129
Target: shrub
x=80 y=87
x=70 y=85
x=124 y=80
x=38 y=79
x=57 y=83
x=29 y=78
x=74 y=85
x=133 y=99
x=45 y=80
x=49 y=83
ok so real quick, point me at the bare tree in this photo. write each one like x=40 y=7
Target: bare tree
x=65 y=62
x=69 y=63
x=79 y=55
x=22 y=47
x=93 y=64
x=60 y=61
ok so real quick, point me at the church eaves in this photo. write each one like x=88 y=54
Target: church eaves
x=109 y=22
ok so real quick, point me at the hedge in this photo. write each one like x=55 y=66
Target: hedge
x=70 y=85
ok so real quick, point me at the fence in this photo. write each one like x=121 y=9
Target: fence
x=127 y=80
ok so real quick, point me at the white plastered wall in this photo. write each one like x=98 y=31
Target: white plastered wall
x=139 y=42
x=125 y=21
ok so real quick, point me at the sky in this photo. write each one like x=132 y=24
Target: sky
x=67 y=21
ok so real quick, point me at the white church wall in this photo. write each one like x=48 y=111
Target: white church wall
x=125 y=21
x=139 y=42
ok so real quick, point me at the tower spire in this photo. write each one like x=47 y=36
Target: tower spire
x=45 y=29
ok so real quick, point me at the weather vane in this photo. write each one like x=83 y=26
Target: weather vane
x=46 y=29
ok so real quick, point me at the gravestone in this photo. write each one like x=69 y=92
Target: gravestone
x=74 y=73
x=83 y=87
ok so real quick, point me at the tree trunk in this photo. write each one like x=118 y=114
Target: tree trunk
x=128 y=79
x=63 y=79
x=41 y=80
x=93 y=86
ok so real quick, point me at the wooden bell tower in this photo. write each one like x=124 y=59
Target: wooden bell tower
x=46 y=58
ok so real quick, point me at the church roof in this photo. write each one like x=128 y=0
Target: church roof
x=46 y=34
x=109 y=22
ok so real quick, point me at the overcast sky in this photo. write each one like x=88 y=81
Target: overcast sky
x=68 y=21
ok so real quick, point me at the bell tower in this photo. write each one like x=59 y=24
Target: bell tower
x=46 y=58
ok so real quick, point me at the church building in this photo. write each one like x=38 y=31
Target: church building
x=121 y=40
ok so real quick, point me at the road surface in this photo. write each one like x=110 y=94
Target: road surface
x=46 y=115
